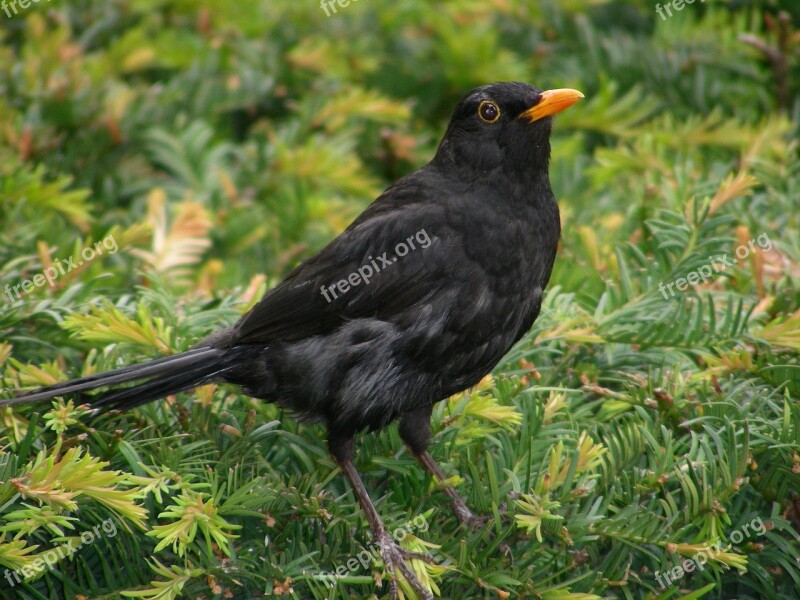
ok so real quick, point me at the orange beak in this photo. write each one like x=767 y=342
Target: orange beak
x=550 y=103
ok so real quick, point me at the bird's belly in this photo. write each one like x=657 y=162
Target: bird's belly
x=370 y=371
x=481 y=340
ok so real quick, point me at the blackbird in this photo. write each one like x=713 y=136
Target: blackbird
x=418 y=299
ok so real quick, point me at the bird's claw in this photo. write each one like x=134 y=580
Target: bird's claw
x=477 y=522
x=473 y=521
x=468 y=518
x=394 y=557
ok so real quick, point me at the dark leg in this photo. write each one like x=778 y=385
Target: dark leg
x=415 y=430
x=342 y=449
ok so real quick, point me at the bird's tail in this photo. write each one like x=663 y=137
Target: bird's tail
x=155 y=379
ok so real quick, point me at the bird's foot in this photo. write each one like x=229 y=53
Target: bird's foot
x=465 y=516
x=472 y=521
x=475 y=522
x=394 y=557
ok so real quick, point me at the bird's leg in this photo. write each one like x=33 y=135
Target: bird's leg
x=342 y=449
x=462 y=512
x=415 y=431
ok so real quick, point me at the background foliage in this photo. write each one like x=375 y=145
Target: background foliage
x=221 y=143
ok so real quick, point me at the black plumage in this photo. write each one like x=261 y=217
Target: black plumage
x=479 y=227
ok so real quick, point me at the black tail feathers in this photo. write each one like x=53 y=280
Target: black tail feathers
x=157 y=379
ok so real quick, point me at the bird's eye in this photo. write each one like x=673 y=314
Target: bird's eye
x=488 y=111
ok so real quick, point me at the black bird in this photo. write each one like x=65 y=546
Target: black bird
x=459 y=253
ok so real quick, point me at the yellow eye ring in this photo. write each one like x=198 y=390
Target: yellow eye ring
x=488 y=112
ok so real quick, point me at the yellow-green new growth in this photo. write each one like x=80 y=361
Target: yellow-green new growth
x=191 y=512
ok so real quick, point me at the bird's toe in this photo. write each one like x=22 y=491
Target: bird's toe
x=394 y=557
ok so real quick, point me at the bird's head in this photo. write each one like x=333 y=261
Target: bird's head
x=502 y=125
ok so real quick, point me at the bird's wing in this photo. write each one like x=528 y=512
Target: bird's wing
x=386 y=284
